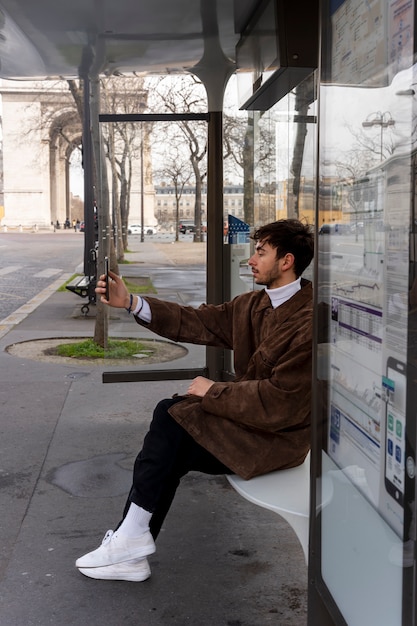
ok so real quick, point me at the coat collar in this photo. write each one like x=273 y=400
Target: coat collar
x=288 y=308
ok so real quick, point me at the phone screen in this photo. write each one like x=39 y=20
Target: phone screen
x=395 y=430
x=106 y=271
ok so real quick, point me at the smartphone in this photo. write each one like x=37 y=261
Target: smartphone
x=395 y=429
x=106 y=271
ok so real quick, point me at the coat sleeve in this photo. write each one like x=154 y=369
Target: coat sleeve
x=206 y=325
x=278 y=401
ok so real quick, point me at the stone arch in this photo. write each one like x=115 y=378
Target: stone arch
x=39 y=122
x=65 y=135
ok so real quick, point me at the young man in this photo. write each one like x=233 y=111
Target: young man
x=258 y=423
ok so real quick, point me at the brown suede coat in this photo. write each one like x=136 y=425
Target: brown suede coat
x=261 y=421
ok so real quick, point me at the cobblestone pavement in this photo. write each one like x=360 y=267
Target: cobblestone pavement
x=31 y=262
x=34 y=265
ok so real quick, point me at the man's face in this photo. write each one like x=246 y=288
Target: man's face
x=266 y=267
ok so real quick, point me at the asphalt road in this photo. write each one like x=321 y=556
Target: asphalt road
x=30 y=262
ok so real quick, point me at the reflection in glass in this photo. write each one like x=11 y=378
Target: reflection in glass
x=365 y=272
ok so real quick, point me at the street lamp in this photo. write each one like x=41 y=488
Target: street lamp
x=384 y=120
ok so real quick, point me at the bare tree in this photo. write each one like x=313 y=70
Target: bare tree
x=175 y=169
x=254 y=159
x=304 y=96
x=123 y=141
x=99 y=170
x=186 y=94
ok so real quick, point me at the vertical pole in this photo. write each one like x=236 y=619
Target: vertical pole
x=88 y=177
x=142 y=187
x=2 y=209
x=382 y=138
x=215 y=269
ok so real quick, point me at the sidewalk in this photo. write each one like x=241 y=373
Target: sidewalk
x=67 y=445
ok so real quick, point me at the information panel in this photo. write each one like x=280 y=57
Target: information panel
x=365 y=275
x=368 y=338
x=364 y=283
x=372 y=40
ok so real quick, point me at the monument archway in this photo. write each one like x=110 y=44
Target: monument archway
x=64 y=137
x=41 y=128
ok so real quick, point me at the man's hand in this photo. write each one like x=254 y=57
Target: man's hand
x=200 y=386
x=118 y=293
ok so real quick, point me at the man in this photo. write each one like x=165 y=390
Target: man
x=258 y=423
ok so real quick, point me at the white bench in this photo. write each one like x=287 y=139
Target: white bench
x=286 y=492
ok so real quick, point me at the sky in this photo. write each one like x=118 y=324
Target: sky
x=76 y=175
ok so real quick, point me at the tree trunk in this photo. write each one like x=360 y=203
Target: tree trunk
x=248 y=167
x=197 y=206
x=302 y=100
x=101 y=325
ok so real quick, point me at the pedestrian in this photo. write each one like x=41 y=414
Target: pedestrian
x=257 y=423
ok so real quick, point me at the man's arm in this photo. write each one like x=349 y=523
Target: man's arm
x=274 y=403
x=208 y=325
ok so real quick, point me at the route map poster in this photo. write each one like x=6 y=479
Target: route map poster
x=372 y=40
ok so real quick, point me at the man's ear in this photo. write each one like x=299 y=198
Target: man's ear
x=288 y=261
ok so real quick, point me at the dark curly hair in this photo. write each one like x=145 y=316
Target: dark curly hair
x=289 y=236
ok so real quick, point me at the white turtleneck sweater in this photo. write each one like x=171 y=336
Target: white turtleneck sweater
x=281 y=294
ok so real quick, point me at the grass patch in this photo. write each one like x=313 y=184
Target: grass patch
x=116 y=349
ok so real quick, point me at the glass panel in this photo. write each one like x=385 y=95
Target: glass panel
x=269 y=168
x=367 y=137
x=157 y=227
x=269 y=173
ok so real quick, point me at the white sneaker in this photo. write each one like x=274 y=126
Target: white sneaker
x=117 y=548
x=136 y=570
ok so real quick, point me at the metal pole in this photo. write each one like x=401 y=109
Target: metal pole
x=142 y=187
x=382 y=138
x=215 y=361
x=88 y=177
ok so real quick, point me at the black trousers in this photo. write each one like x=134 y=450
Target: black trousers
x=168 y=453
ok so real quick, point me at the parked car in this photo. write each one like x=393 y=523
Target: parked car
x=326 y=229
x=136 y=229
x=186 y=226
x=337 y=228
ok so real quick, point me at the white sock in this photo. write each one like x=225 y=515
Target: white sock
x=136 y=521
